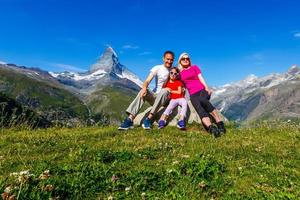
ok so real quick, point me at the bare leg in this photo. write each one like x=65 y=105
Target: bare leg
x=215 y=115
x=131 y=117
x=150 y=115
x=163 y=117
x=181 y=117
x=206 y=121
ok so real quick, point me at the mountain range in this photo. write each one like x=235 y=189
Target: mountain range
x=104 y=91
x=276 y=96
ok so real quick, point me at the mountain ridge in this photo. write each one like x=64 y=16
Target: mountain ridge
x=249 y=98
x=107 y=82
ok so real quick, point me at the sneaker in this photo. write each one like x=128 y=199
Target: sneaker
x=161 y=124
x=181 y=124
x=214 y=131
x=146 y=124
x=127 y=124
x=221 y=127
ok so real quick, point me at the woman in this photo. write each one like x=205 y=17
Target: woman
x=199 y=92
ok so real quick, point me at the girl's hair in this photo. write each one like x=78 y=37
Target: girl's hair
x=177 y=70
x=180 y=57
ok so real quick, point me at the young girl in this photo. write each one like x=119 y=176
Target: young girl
x=174 y=85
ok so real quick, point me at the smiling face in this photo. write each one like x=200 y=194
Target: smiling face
x=185 y=61
x=168 y=60
x=174 y=74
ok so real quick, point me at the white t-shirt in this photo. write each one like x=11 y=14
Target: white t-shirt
x=161 y=74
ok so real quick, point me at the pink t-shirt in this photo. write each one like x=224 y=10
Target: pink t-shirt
x=190 y=78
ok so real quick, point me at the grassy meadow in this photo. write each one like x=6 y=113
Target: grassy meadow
x=257 y=162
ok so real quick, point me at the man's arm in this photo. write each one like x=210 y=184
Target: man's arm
x=146 y=84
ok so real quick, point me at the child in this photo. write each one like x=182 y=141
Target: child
x=174 y=85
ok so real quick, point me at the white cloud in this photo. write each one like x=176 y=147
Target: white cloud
x=145 y=53
x=67 y=67
x=128 y=46
x=297 y=35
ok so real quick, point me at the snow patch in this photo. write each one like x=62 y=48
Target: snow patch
x=96 y=75
x=220 y=91
x=55 y=75
x=132 y=77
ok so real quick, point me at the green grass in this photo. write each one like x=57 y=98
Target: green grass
x=261 y=162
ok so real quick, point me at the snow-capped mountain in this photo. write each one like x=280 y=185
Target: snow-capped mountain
x=240 y=99
x=105 y=71
x=106 y=89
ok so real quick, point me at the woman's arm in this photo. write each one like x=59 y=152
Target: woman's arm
x=204 y=83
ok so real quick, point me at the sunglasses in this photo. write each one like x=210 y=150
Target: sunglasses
x=174 y=73
x=188 y=59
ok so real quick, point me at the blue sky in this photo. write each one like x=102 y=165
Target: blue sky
x=228 y=39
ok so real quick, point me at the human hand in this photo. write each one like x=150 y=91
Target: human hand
x=183 y=90
x=209 y=91
x=169 y=89
x=143 y=92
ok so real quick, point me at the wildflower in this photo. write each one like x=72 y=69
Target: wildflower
x=8 y=189
x=114 y=178
x=110 y=197
x=127 y=189
x=23 y=176
x=185 y=156
x=202 y=185
x=175 y=162
x=143 y=195
x=44 y=175
x=48 y=188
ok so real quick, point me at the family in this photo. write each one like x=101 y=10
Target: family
x=170 y=87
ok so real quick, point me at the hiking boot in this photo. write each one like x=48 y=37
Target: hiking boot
x=161 y=124
x=181 y=124
x=127 y=124
x=146 y=124
x=214 y=131
x=221 y=127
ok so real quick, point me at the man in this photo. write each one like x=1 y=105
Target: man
x=156 y=98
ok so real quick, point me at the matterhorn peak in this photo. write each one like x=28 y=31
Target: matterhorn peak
x=107 y=62
x=110 y=49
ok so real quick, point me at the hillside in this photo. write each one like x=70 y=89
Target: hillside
x=13 y=114
x=43 y=95
x=111 y=101
x=102 y=163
